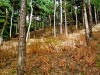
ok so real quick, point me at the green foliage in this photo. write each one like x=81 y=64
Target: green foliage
x=5 y=3
x=15 y=4
x=45 y=6
x=96 y=3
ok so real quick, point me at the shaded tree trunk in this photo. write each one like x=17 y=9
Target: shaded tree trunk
x=18 y=24
x=83 y=18
x=55 y=19
x=86 y=23
x=50 y=19
x=50 y=23
x=22 y=40
x=5 y=23
x=97 y=16
x=35 y=26
x=61 y=17
x=66 y=29
x=90 y=19
x=16 y=28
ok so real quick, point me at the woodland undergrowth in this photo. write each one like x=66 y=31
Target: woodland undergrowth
x=44 y=58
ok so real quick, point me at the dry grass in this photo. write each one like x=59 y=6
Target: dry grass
x=45 y=58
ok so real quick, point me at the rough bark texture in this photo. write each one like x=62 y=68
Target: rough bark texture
x=90 y=19
x=22 y=40
x=86 y=23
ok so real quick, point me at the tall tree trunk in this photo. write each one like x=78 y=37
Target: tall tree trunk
x=35 y=26
x=66 y=29
x=86 y=23
x=76 y=8
x=61 y=17
x=22 y=40
x=76 y=17
x=18 y=24
x=95 y=15
x=31 y=14
x=11 y=23
x=5 y=23
x=55 y=19
x=90 y=19
x=50 y=19
x=16 y=28
x=83 y=18
x=50 y=23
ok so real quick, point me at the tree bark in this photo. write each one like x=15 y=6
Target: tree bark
x=11 y=23
x=95 y=15
x=83 y=18
x=22 y=40
x=90 y=19
x=66 y=29
x=54 y=18
x=5 y=23
x=50 y=19
x=18 y=24
x=86 y=23
x=35 y=27
x=31 y=14
x=61 y=17
x=76 y=18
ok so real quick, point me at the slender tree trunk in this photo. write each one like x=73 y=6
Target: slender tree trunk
x=11 y=23
x=83 y=18
x=16 y=28
x=5 y=23
x=76 y=17
x=55 y=19
x=35 y=26
x=2 y=31
x=95 y=15
x=50 y=23
x=22 y=40
x=50 y=19
x=1 y=40
x=86 y=23
x=90 y=19
x=61 y=17
x=31 y=14
x=66 y=29
x=18 y=24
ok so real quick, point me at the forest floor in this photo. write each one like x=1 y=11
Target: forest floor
x=55 y=56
